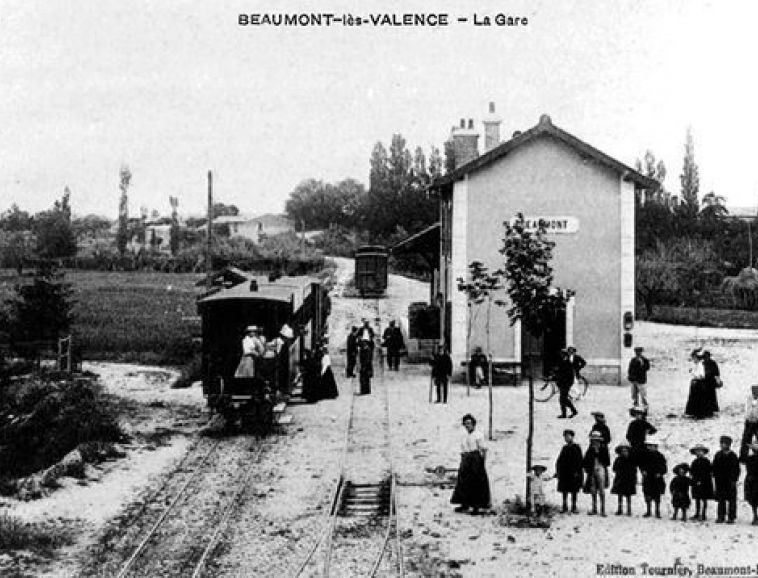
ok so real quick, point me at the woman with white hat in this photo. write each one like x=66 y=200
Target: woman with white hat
x=252 y=348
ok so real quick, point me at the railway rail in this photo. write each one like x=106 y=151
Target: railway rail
x=360 y=535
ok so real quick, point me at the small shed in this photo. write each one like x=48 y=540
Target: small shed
x=371 y=270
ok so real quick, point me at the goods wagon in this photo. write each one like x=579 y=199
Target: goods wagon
x=371 y=270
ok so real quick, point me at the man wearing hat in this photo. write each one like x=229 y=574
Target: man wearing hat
x=637 y=375
x=568 y=470
x=751 y=422
x=702 y=480
x=394 y=342
x=637 y=432
x=352 y=351
x=601 y=427
x=564 y=379
x=653 y=467
x=576 y=360
x=726 y=472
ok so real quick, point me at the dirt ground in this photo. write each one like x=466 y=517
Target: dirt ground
x=285 y=507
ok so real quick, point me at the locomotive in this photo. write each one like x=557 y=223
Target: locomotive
x=299 y=303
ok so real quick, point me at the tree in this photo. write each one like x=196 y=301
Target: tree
x=15 y=250
x=174 y=230
x=655 y=275
x=41 y=311
x=654 y=169
x=690 y=180
x=320 y=205
x=90 y=226
x=14 y=220
x=122 y=235
x=449 y=156
x=532 y=298
x=55 y=235
x=480 y=289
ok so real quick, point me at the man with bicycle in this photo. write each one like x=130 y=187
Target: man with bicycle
x=577 y=361
x=565 y=375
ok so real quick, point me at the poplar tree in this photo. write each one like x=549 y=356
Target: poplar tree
x=690 y=180
x=122 y=235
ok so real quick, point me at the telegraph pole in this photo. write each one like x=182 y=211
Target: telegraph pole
x=209 y=239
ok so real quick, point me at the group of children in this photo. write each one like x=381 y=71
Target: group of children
x=701 y=480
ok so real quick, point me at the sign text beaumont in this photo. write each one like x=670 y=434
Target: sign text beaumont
x=556 y=225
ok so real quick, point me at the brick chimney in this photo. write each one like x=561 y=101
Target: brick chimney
x=491 y=129
x=465 y=143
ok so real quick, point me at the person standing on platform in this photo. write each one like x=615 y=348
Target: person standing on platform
x=564 y=379
x=472 y=490
x=394 y=342
x=637 y=376
x=637 y=432
x=751 y=481
x=601 y=427
x=366 y=333
x=576 y=360
x=702 y=481
x=750 y=429
x=352 y=351
x=596 y=461
x=653 y=467
x=442 y=369
x=711 y=382
x=478 y=368
x=568 y=470
x=625 y=477
x=366 y=371
x=726 y=472
x=328 y=385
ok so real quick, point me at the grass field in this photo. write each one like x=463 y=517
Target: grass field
x=142 y=317
x=707 y=317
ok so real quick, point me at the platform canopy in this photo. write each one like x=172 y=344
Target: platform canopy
x=425 y=243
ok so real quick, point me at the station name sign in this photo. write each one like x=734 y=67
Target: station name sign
x=554 y=225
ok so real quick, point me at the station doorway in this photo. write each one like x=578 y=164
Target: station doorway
x=544 y=352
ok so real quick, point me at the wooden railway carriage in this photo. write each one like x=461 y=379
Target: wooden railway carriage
x=301 y=303
x=371 y=270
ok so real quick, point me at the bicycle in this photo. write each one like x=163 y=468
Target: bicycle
x=548 y=388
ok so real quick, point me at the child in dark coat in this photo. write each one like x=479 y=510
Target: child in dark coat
x=751 y=480
x=625 y=479
x=680 y=491
x=653 y=466
x=568 y=470
x=601 y=427
x=726 y=472
x=702 y=481
x=595 y=463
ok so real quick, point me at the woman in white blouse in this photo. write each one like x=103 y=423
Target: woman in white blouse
x=472 y=490
x=252 y=347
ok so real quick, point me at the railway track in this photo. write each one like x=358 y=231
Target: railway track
x=360 y=535
x=177 y=529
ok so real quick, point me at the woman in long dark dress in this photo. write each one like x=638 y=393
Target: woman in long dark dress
x=472 y=490
x=328 y=385
x=310 y=372
x=711 y=382
x=698 y=405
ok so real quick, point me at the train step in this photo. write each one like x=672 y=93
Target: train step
x=279 y=407
x=282 y=419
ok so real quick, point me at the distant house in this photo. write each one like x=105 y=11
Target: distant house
x=255 y=228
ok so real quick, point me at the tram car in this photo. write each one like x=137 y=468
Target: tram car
x=371 y=270
x=300 y=305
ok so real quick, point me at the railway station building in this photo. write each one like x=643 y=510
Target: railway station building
x=585 y=199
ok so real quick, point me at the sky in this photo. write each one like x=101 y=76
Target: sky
x=174 y=89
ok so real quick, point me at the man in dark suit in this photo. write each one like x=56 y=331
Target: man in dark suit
x=394 y=342
x=442 y=369
x=726 y=472
x=352 y=351
x=637 y=375
x=576 y=360
x=564 y=379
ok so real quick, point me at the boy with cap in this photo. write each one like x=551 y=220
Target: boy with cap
x=600 y=427
x=537 y=479
x=751 y=422
x=568 y=470
x=751 y=481
x=637 y=432
x=625 y=478
x=702 y=481
x=637 y=376
x=726 y=472
x=680 y=491
x=653 y=466
x=595 y=463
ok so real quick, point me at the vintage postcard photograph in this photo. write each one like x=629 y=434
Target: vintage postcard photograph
x=378 y=289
